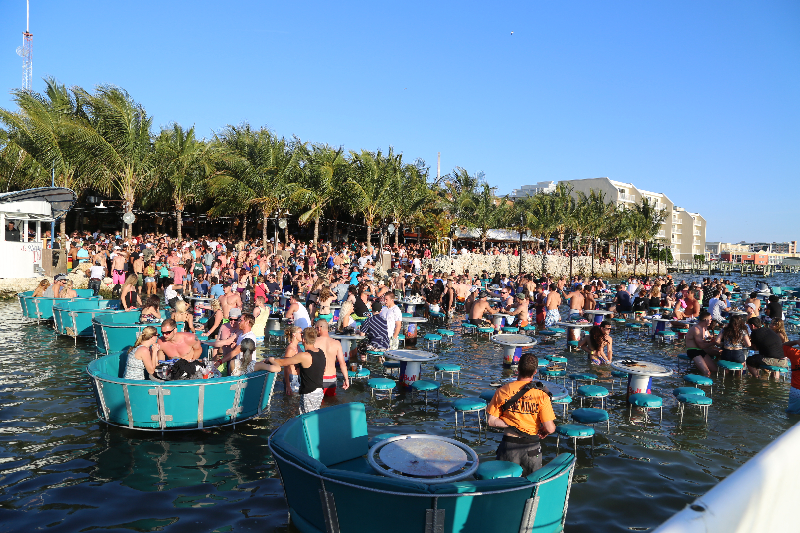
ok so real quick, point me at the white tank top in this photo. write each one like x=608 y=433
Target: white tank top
x=300 y=317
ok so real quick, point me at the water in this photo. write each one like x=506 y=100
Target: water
x=62 y=470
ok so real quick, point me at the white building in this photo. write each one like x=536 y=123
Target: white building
x=531 y=190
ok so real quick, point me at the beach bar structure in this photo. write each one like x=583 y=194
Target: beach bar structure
x=28 y=210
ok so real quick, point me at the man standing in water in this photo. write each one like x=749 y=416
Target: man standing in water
x=700 y=346
x=525 y=411
x=311 y=366
x=333 y=354
x=174 y=345
x=551 y=305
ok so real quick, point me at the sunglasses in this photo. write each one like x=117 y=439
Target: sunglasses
x=164 y=332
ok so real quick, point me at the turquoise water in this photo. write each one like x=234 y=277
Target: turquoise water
x=62 y=470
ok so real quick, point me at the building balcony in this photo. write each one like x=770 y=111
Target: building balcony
x=698 y=223
x=676 y=241
x=626 y=197
x=697 y=233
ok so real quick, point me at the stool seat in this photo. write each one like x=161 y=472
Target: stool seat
x=447 y=367
x=645 y=400
x=498 y=469
x=380 y=438
x=619 y=374
x=773 y=368
x=391 y=364
x=694 y=399
x=445 y=332
x=275 y=333
x=575 y=430
x=565 y=399
x=327 y=317
x=593 y=391
x=363 y=373
x=375 y=352
x=557 y=359
x=619 y=320
x=572 y=343
x=486 y=330
x=510 y=329
x=401 y=337
x=583 y=377
x=697 y=380
x=688 y=390
x=487 y=395
x=381 y=383
x=529 y=327
x=553 y=373
x=406 y=315
x=634 y=325
x=469 y=404
x=425 y=385
x=683 y=330
x=589 y=415
x=432 y=337
x=548 y=333
x=667 y=333
x=543 y=362
x=558 y=330
x=730 y=365
x=436 y=314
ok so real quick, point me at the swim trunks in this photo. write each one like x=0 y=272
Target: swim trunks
x=118 y=277
x=329 y=385
x=478 y=322
x=311 y=401
x=552 y=317
x=695 y=352
x=294 y=383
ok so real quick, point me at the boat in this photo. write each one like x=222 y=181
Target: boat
x=73 y=318
x=151 y=405
x=323 y=453
x=115 y=332
x=41 y=308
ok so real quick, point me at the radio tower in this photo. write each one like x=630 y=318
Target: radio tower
x=26 y=52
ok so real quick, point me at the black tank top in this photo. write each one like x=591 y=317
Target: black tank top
x=311 y=377
x=130 y=298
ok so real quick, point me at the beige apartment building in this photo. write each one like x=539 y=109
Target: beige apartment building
x=683 y=231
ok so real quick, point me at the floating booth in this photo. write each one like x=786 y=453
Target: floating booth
x=176 y=405
x=114 y=332
x=323 y=453
x=73 y=318
x=41 y=308
x=27 y=210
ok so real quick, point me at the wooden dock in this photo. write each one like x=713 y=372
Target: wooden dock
x=724 y=268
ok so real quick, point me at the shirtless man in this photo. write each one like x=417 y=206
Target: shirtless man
x=333 y=354
x=700 y=345
x=118 y=268
x=576 y=303
x=520 y=310
x=589 y=303
x=138 y=269
x=551 y=306
x=229 y=300
x=232 y=344
x=174 y=345
x=692 y=304
x=480 y=308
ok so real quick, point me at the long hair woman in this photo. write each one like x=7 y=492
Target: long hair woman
x=39 y=290
x=734 y=340
x=150 y=311
x=128 y=296
x=144 y=355
x=598 y=344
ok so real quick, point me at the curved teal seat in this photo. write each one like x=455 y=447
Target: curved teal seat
x=487 y=395
x=701 y=381
x=619 y=374
x=510 y=329
x=469 y=404
x=425 y=385
x=308 y=463
x=358 y=374
x=380 y=438
x=175 y=405
x=391 y=364
x=486 y=330
x=41 y=308
x=529 y=327
x=446 y=332
x=645 y=400
x=407 y=315
x=558 y=359
x=696 y=400
x=558 y=330
x=590 y=415
x=565 y=401
x=497 y=470
x=575 y=430
x=583 y=377
x=618 y=320
x=74 y=317
x=115 y=332
x=553 y=373
x=447 y=367
x=688 y=390
x=730 y=365
x=593 y=391
x=573 y=344
x=549 y=333
x=381 y=383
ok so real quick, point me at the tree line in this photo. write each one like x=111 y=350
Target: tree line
x=103 y=141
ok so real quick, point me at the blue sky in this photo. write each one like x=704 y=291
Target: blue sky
x=698 y=100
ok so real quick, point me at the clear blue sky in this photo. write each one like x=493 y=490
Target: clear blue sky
x=698 y=100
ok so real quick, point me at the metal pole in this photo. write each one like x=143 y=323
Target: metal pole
x=521 y=223
x=53 y=222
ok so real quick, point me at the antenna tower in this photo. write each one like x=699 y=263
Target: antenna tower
x=26 y=52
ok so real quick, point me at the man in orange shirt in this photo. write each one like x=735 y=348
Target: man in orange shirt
x=526 y=413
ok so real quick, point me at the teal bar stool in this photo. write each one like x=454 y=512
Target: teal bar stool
x=358 y=374
x=406 y=315
x=447 y=368
x=565 y=401
x=618 y=321
x=699 y=381
x=582 y=378
x=402 y=339
x=666 y=337
x=498 y=469
x=696 y=400
x=274 y=336
x=530 y=329
x=437 y=317
x=469 y=405
x=424 y=386
x=380 y=386
x=618 y=376
x=487 y=395
x=634 y=329
x=729 y=366
x=572 y=346
x=646 y=402
x=554 y=374
x=591 y=416
x=784 y=372
x=549 y=336
x=574 y=432
x=593 y=392
x=380 y=438
x=688 y=390
x=684 y=357
x=391 y=367
x=447 y=334
x=375 y=353
x=468 y=329
x=485 y=331
x=432 y=340
x=510 y=329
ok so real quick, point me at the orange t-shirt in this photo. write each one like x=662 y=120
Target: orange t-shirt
x=527 y=413
x=793 y=353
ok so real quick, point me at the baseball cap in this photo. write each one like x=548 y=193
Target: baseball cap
x=63 y=277
x=235 y=313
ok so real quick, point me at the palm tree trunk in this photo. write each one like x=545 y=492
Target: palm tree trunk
x=594 y=241
x=635 y=256
x=63 y=226
x=369 y=234
x=646 y=261
x=265 y=215
x=179 y=222
x=244 y=226
x=483 y=243
x=397 y=235
x=616 y=263
x=316 y=229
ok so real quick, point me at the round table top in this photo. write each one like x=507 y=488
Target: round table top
x=643 y=368
x=736 y=313
x=416 y=356
x=341 y=337
x=406 y=302
x=513 y=339
x=558 y=391
x=493 y=299
x=574 y=325
x=597 y=312
x=430 y=457
x=335 y=306
x=501 y=314
x=662 y=319
x=414 y=319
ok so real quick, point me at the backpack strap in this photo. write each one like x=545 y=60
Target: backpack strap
x=520 y=393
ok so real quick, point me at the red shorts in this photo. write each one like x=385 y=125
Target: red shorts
x=329 y=385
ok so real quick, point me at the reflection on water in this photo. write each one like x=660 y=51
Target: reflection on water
x=61 y=469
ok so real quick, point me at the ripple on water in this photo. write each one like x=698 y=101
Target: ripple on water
x=60 y=468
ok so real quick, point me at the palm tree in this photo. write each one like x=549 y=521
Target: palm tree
x=371 y=179
x=482 y=212
x=255 y=169
x=115 y=148
x=322 y=180
x=38 y=130
x=594 y=213
x=409 y=196
x=651 y=221
x=563 y=203
x=183 y=163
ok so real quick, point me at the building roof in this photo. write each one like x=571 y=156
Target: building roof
x=32 y=201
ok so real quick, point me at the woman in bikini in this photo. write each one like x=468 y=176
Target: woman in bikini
x=598 y=344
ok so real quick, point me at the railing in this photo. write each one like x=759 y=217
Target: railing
x=676 y=231
x=697 y=233
x=626 y=197
x=676 y=241
x=676 y=220
x=697 y=223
